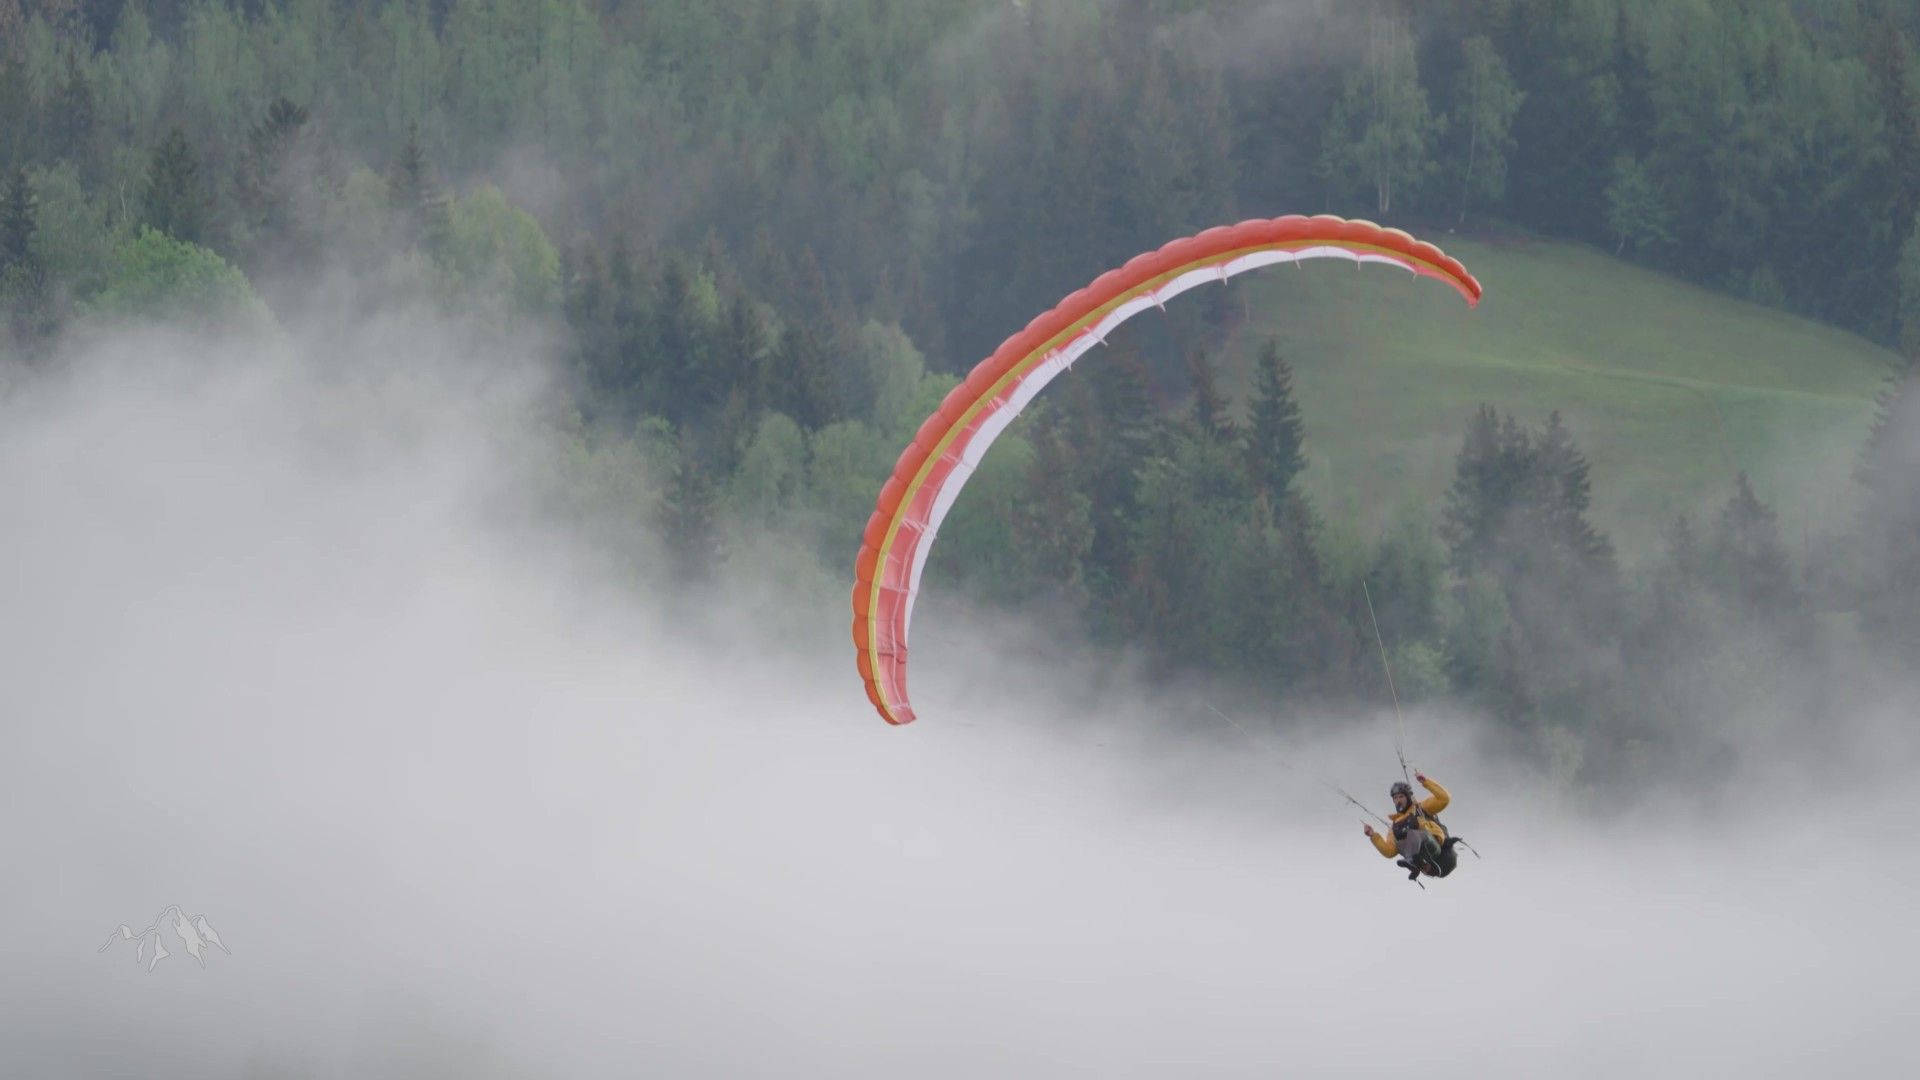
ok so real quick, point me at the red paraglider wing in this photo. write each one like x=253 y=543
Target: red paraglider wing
x=952 y=442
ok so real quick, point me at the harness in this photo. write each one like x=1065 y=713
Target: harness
x=1411 y=819
x=1429 y=862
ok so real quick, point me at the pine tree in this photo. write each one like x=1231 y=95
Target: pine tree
x=1516 y=518
x=1665 y=653
x=1685 y=558
x=1123 y=389
x=19 y=221
x=803 y=384
x=689 y=518
x=610 y=314
x=1275 y=433
x=1405 y=575
x=633 y=354
x=1324 y=644
x=1209 y=407
x=1880 y=468
x=419 y=205
x=717 y=263
x=803 y=378
x=410 y=180
x=1121 y=404
x=1187 y=539
x=23 y=292
x=740 y=367
x=71 y=118
x=1888 y=59
x=690 y=386
x=672 y=332
x=587 y=305
x=1517 y=495
x=1748 y=565
x=1564 y=471
x=1889 y=473
x=176 y=198
x=265 y=187
x=1487 y=472
x=1054 y=516
x=18 y=119
x=740 y=353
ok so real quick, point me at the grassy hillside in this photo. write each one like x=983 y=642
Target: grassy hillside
x=1670 y=389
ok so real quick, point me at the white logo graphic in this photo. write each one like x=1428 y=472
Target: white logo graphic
x=193 y=930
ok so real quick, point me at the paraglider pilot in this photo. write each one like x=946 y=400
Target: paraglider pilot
x=1419 y=839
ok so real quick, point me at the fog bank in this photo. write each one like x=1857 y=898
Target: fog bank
x=288 y=643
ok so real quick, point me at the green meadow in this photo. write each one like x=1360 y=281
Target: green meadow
x=1670 y=389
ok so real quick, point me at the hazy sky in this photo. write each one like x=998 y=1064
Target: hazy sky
x=282 y=646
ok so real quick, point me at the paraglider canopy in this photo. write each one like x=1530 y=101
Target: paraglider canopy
x=952 y=442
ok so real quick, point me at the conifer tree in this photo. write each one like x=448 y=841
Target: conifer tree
x=1881 y=460
x=740 y=352
x=1568 y=492
x=599 y=305
x=1515 y=517
x=740 y=373
x=689 y=518
x=1487 y=472
x=1889 y=473
x=17 y=113
x=1275 y=435
x=673 y=333
x=24 y=296
x=1750 y=567
x=19 y=221
x=1685 y=559
x=71 y=117
x=609 y=313
x=266 y=186
x=1124 y=421
x=632 y=353
x=176 y=197
x=715 y=261
x=419 y=204
x=1054 y=518
x=1888 y=57
x=803 y=383
x=1209 y=407
x=1519 y=500
x=1124 y=391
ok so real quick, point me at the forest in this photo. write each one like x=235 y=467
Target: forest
x=768 y=235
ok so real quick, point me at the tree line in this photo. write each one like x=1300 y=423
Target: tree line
x=949 y=161
x=774 y=232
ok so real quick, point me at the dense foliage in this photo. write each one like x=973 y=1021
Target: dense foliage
x=773 y=230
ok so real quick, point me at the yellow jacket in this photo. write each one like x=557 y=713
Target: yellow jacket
x=1436 y=801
